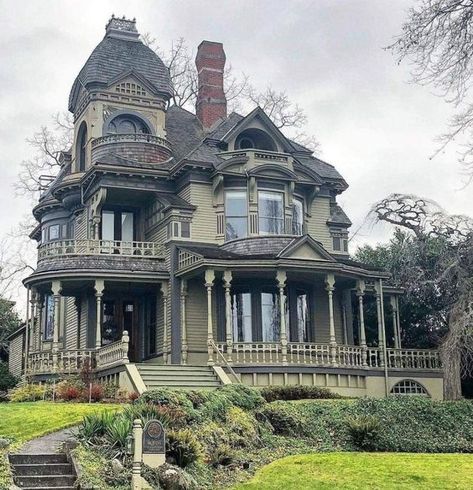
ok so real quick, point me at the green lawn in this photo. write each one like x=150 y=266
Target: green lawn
x=364 y=471
x=24 y=421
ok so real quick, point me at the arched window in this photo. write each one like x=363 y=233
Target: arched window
x=127 y=124
x=254 y=138
x=81 y=153
x=409 y=387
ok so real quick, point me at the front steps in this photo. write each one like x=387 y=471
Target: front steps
x=177 y=376
x=42 y=471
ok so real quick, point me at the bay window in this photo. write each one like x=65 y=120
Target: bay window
x=297 y=216
x=48 y=327
x=236 y=214
x=271 y=213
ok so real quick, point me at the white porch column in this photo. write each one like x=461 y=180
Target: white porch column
x=99 y=288
x=330 y=283
x=33 y=306
x=165 y=293
x=281 y=277
x=398 y=321
x=227 y=280
x=392 y=300
x=56 y=290
x=25 y=354
x=360 y=291
x=184 y=346
x=209 y=280
x=379 y=310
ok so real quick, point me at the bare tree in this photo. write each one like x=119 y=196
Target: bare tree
x=442 y=268
x=437 y=38
x=43 y=166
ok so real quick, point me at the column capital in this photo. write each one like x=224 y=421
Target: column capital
x=330 y=282
x=184 y=289
x=393 y=302
x=209 y=277
x=56 y=288
x=378 y=288
x=165 y=288
x=281 y=277
x=360 y=287
x=99 y=287
x=227 y=278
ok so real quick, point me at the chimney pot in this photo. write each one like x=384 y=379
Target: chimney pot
x=211 y=104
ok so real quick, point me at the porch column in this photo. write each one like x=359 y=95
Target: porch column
x=39 y=338
x=398 y=321
x=392 y=300
x=330 y=283
x=209 y=280
x=99 y=288
x=379 y=310
x=25 y=354
x=78 y=305
x=360 y=291
x=227 y=279
x=56 y=290
x=184 y=347
x=165 y=293
x=281 y=277
x=31 y=336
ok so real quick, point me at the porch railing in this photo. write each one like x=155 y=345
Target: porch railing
x=347 y=356
x=62 y=361
x=114 y=354
x=60 y=248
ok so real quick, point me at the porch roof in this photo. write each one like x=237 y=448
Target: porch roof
x=266 y=252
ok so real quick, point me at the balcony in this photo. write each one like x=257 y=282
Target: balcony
x=259 y=156
x=141 y=147
x=65 y=248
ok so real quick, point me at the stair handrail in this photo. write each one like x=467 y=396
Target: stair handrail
x=224 y=359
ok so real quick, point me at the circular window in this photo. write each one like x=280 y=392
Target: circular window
x=246 y=143
x=409 y=387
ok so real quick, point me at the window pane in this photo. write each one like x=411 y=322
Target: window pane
x=49 y=318
x=127 y=227
x=297 y=217
x=54 y=232
x=302 y=308
x=270 y=323
x=271 y=212
x=235 y=203
x=235 y=228
x=108 y=225
x=336 y=243
x=241 y=317
x=185 y=229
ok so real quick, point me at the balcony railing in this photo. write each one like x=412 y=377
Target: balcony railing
x=114 y=354
x=347 y=356
x=60 y=248
x=259 y=155
x=126 y=138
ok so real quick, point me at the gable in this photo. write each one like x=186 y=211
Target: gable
x=306 y=248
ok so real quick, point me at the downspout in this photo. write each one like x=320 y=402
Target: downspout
x=386 y=373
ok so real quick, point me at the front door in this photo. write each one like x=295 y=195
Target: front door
x=120 y=314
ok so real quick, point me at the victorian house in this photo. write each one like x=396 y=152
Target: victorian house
x=182 y=249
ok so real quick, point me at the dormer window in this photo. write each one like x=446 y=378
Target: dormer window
x=255 y=138
x=127 y=124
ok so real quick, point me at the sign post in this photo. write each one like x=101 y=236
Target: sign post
x=154 y=444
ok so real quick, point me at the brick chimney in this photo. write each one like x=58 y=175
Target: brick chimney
x=211 y=103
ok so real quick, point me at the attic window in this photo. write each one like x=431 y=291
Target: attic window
x=127 y=124
x=130 y=88
x=254 y=138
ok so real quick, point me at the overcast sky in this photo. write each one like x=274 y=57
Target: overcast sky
x=375 y=127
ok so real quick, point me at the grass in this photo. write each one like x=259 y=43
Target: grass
x=364 y=471
x=25 y=421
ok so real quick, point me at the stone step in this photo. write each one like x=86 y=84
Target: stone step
x=44 y=481
x=44 y=469
x=179 y=384
x=159 y=374
x=175 y=367
x=37 y=458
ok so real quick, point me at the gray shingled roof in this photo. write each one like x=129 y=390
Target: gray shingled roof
x=184 y=131
x=114 y=56
x=337 y=215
